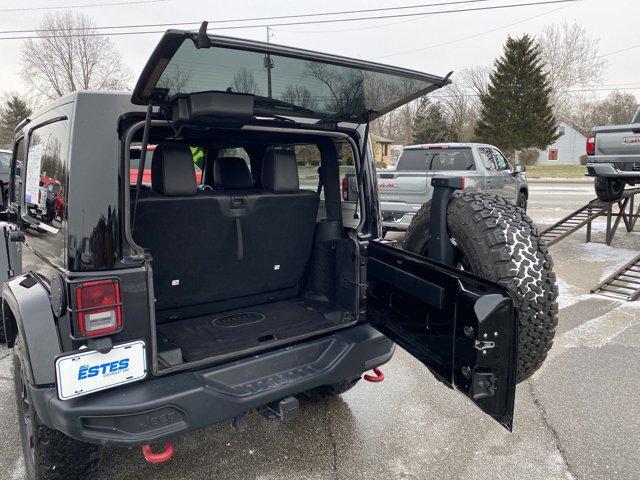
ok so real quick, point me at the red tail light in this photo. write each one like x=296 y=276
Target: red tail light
x=345 y=189
x=591 y=144
x=99 y=308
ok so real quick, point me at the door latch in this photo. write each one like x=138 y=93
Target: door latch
x=483 y=345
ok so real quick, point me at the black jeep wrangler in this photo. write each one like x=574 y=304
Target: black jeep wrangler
x=186 y=277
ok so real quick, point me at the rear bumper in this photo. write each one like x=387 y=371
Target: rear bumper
x=398 y=216
x=611 y=170
x=165 y=407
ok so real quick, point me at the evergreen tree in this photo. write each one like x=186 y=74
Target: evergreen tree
x=430 y=124
x=515 y=111
x=12 y=113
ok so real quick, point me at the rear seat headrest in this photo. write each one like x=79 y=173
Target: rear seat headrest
x=232 y=173
x=280 y=171
x=172 y=170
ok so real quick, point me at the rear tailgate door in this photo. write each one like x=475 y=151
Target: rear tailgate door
x=461 y=327
x=618 y=142
x=406 y=187
x=281 y=80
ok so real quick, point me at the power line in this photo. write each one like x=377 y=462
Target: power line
x=619 y=51
x=255 y=19
x=313 y=22
x=84 y=5
x=469 y=37
x=354 y=29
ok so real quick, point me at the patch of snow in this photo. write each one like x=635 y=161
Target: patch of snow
x=566 y=297
x=603 y=253
x=598 y=332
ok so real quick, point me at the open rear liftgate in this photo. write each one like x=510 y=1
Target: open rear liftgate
x=624 y=284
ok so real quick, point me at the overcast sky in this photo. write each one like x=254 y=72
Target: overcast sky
x=614 y=22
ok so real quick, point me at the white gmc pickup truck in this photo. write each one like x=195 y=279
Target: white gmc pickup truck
x=484 y=168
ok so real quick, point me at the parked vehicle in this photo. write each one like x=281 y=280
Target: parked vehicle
x=484 y=168
x=134 y=165
x=170 y=307
x=5 y=159
x=613 y=158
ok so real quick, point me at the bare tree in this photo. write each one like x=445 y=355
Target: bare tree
x=475 y=79
x=244 y=82
x=299 y=95
x=461 y=100
x=615 y=109
x=571 y=59
x=69 y=55
x=461 y=110
x=175 y=80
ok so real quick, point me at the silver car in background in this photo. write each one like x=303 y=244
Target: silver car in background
x=404 y=189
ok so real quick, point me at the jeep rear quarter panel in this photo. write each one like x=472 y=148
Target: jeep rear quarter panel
x=89 y=241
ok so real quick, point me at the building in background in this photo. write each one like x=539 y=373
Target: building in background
x=567 y=149
x=382 y=150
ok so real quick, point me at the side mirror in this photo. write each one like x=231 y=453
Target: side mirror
x=519 y=169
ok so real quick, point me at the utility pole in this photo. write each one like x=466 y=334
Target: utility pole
x=268 y=64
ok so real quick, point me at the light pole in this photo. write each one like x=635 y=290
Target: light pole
x=268 y=64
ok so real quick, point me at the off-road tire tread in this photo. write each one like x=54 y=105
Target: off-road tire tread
x=604 y=189
x=327 y=391
x=61 y=457
x=58 y=456
x=496 y=237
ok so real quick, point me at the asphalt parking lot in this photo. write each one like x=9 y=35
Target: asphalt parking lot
x=577 y=417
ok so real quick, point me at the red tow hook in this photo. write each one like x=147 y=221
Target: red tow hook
x=378 y=377
x=157 y=457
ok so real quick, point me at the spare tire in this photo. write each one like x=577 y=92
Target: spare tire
x=496 y=240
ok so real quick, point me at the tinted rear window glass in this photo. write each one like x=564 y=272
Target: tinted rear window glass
x=436 y=159
x=637 y=117
x=287 y=85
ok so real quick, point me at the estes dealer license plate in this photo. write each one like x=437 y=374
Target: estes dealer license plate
x=88 y=372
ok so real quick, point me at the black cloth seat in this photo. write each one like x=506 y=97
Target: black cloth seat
x=236 y=244
x=231 y=173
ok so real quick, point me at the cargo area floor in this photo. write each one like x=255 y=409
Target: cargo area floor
x=245 y=328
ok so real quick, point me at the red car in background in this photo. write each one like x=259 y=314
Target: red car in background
x=146 y=173
x=54 y=202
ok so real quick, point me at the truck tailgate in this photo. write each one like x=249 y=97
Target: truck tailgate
x=405 y=187
x=618 y=142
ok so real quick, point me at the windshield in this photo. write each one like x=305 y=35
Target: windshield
x=459 y=158
x=284 y=85
x=637 y=117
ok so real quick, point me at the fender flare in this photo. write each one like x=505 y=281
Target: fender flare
x=27 y=311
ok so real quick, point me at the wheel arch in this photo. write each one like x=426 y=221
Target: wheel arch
x=27 y=311
x=524 y=189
